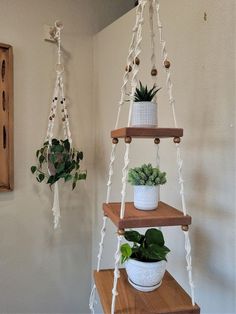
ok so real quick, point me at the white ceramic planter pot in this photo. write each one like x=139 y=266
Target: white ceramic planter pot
x=144 y=114
x=145 y=276
x=146 y=197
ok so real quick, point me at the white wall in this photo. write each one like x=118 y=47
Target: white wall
x=203 y=71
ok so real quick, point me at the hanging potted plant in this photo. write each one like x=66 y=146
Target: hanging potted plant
x=58 y=161
x=145 y=180
x=145 y=260
x=144 y=110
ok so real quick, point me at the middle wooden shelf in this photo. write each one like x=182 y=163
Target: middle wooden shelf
x=164 y=215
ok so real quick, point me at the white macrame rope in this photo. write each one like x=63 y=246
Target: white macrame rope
x=129 y=62
x=116 y=274
x=56 y=206
x=92 y=298
x=103 y=232
x=111 y=171
x=189 y=264
x=137 y=51
x=179 y=159
x=124 y=180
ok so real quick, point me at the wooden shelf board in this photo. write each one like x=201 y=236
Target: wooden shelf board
x=147 y=132
x=164 y=215
x=168 y=298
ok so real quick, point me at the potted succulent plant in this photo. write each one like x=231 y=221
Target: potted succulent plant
x=145 y=260
x=145 y=180
x=144 y=110
x=58 y=161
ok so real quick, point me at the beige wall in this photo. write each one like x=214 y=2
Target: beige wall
x=203 y=71
x=42 y=271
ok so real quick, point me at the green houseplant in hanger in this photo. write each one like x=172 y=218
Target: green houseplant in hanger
x=58 y=161
x=145 y=260
x=144 y=110
x=146 y=180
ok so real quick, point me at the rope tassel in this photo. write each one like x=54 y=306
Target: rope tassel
x=56 y=206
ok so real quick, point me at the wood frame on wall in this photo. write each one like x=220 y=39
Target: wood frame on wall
x=6 y=118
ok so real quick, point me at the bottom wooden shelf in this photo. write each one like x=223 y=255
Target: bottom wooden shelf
x=168 y=298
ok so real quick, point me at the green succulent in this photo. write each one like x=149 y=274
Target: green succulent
x=149 y=247
x=143 y=94
x=146 y=175
x=61 y=160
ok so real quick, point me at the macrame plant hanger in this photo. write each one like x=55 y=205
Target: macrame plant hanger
x=132 y=67
x=58 y=97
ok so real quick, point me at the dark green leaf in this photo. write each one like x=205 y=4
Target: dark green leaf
x=37 y=153
x=68 y=177
x=55 y=142
x=41 y=177
x=41 y=159
x=73 y=185
x=33 y=169
x=82 y=176
x=154 y=236
x=51 y=180
x=133 y=236
x=67 y=145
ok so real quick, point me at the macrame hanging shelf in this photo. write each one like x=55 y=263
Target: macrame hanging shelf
x=116 y=295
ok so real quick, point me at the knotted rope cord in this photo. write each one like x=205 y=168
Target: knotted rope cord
x=58 y=94
x=189 y=264
x=134 y=83
x=154 y=67
x=129 y=62
x=116 y=274
x=179 y=159
x=130 y=59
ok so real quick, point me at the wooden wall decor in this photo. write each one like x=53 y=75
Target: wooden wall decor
x=6 y=118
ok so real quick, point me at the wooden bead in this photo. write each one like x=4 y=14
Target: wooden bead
x=137 y=61
x=128 y=69
x=157 y=140
x=154 y=72
x=176 y=140
x=115 y=140
x=166 y=64
x=128 y=139
x=184 y=228
x=121 y=232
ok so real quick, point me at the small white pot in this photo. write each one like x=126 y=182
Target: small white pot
x=144 y=114
x=145 y=276
x=146 y=197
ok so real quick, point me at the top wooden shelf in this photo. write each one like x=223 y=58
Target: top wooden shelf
x=147 y=132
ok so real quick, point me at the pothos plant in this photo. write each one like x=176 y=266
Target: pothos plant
x=58 y=160
x=149 y=247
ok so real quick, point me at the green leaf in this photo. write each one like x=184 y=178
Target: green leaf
x=37 y=153
x=41 y=159
x=41 y=177
x=126 y=252
x=133 y=236
x=68 y=177
x=55 y=142
x=33 y=169
x=156 y=252
x=82 y=176
x=154 y=236
x=67 y=145
x=73 y=185
x=51 y=180
x=80 y=156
